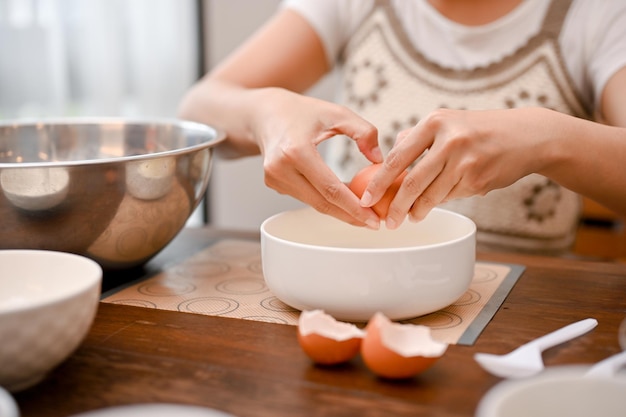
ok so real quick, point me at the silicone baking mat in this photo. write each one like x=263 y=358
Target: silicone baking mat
x=226 y=279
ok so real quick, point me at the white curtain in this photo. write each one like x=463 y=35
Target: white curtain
x=96 y=57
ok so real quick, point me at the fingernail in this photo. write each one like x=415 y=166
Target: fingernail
x=377 y=154
x=414 y=219
x=390 y=223
x=366 y=199
x=372 y=224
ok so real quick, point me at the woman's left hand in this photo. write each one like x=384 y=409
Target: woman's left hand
x=465 y=153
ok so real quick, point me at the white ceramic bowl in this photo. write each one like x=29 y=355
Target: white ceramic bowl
x=558 y=391
x=154 y=410
x=8 y=406
x=314 y=261
x=47 y=303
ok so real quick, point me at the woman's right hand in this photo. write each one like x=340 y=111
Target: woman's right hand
x=255 y=96
x=288 y=128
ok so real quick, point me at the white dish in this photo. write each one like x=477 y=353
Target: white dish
x=155 y=410
x=312 y=261
x=558 y=391
x=8 y=406
x=47 y=303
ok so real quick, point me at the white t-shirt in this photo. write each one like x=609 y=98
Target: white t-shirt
x=592 y=40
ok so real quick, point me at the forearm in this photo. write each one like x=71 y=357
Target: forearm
x=586 y=157
x=234 y=96
x=227 y=107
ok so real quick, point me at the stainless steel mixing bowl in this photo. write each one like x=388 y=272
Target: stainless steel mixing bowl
x=115 y=190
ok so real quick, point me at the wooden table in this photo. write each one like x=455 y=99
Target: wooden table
x=247 y=368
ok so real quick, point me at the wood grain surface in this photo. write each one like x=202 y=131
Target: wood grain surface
x=140 y=355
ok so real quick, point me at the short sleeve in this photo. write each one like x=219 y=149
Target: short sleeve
x=610 y=54
x=334 y=20
x=595 y=48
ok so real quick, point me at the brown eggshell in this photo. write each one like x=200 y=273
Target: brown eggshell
x=326 y=351
x=328 y=341
x=397 y=351
x=363 y=177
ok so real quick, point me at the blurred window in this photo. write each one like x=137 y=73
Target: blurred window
x=96 y=57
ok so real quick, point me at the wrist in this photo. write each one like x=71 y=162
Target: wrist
x=552 y=134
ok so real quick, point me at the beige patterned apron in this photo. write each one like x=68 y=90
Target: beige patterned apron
x=390 y=84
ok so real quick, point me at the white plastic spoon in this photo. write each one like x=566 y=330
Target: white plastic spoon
x=526 y=360
x=608 y=367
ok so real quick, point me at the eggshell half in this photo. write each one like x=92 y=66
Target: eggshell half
x=398 y=351
x=328 y=341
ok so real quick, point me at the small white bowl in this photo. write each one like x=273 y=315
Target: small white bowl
x=8 y=406
x=47 y=303
x=558 y=391
x=314 y=261
x=155 y=410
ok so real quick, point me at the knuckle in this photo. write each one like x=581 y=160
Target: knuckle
x=411 y=185
x=422 y=206
x=270 y=171
x=476 y=182
x=426 y=201
x=459 y=143
x=370 y=130
x=417 y=215
x=288 y=152
x=331 y=192
x=365 y=128
x=437 y=117
x=395 y=212
x=323 y=207
x=477 y=186
x=394 y=161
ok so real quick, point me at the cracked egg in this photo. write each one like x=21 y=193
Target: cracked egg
x=328 y=341
x=397 y=351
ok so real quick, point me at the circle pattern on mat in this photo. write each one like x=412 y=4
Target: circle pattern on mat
x=233 y=251
x=201 y=269
x=242 y=285
x=470 y=297
x=227 y=280
x=136 y=303
x=266 y=319
x=274 y=304
x=482 y=274
x=166 y=288
x=440 y=320
x=256 y=267
x=216 y=306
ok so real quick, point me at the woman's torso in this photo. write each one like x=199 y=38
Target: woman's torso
x=395 y=70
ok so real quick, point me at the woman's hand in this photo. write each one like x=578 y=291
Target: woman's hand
x=288 y=128
x=254 y=96
x=465 y=153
